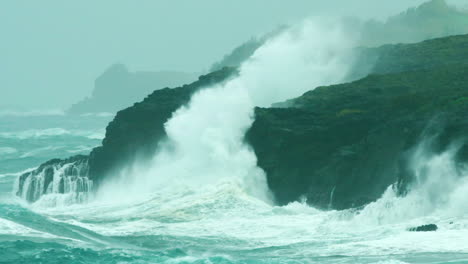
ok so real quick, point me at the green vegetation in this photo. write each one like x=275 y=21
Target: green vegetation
x=346 y=112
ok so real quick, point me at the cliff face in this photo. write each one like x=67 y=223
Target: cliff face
x=68 y=176
x=341 y=146
x=118 y=88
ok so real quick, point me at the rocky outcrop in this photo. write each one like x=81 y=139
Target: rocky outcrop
x=118 y=88
x=424 y=228
x=57 y=177
x=341 y=146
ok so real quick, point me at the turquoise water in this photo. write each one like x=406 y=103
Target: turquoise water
x=27 y=141
x=217 y=223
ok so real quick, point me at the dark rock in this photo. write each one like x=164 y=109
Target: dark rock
x=339 y=146
x=34 y=184
x=424 y=228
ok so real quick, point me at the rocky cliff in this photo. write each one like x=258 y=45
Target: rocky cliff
x=68 y=176
x=339 y=146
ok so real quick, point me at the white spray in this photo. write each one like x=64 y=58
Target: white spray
x=440 y=190
x=205 y=139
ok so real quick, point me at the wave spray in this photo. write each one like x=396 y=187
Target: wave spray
x=205 y=139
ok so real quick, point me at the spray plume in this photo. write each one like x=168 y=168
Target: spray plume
x=205 y=144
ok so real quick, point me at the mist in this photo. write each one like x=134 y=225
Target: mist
x=52 y=51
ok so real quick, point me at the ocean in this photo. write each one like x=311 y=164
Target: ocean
x=218 y=223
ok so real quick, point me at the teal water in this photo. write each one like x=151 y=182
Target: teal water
x=218 y=223
x=27 y=141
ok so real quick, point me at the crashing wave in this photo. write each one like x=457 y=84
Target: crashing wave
x=68 y=177
x=7 y=150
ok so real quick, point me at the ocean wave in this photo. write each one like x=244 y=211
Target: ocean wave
x=7 y=150
x=227 y=213
x=80 y=148
x=8 y=227
x=51 y=132
x=38 y=151
x=49 y=112
x=16 y=174
x=391 y=262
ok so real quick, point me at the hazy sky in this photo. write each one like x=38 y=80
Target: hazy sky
x=52 y=50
